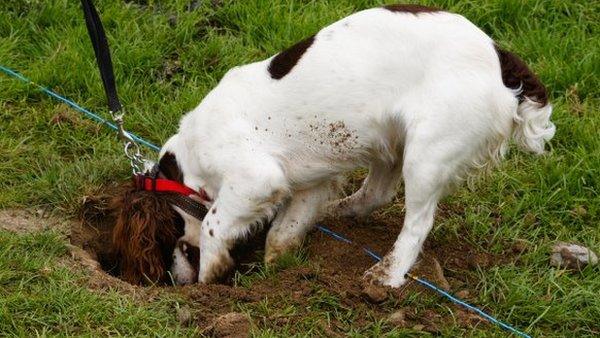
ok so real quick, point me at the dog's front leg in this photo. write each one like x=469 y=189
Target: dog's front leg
x=242 y=202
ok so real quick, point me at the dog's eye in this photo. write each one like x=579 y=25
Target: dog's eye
x=189 y=252
x=184 y=249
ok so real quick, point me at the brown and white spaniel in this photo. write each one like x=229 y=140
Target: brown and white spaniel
x=418 y=96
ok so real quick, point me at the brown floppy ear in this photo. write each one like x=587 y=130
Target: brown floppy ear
x=145 y=234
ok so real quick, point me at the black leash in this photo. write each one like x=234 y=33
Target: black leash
x=138 y=163
x=100 y=44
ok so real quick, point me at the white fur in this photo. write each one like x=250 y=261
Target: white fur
x=412 y=97
x=534 y=128
x=182 y=271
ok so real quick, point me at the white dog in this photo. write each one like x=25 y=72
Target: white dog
x=410 y=92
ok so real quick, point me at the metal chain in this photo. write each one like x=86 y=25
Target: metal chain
x=139 y=165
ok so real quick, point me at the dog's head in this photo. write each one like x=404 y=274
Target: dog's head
x=145 y=234
x=154 y=234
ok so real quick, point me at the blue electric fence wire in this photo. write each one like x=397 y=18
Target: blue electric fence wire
x=429 y=285
x=323 y=229
x=75 y=106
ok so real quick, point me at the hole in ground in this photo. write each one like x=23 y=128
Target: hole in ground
x=93 y=233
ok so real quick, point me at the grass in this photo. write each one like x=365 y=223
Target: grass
x=39 y=296
x=259 y=271
x=52 y=157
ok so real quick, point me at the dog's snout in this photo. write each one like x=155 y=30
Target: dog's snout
x=185 y=266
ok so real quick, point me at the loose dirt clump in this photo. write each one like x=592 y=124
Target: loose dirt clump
x=171 y=67
x=374 y=293
x=230 y=325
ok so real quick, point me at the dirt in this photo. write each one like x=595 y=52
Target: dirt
x=171 y=67
x=334 y=267
x=93 y=232
x=28 y=221
x=65 y=117
x=231 y=325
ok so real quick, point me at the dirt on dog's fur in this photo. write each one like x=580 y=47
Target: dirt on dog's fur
x=334 y=266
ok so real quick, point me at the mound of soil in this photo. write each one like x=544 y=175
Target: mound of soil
x=334 y=266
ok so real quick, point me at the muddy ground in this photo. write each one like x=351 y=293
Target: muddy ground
x=333 y=266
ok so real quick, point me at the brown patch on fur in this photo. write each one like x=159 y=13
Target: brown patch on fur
x=516 y=74
x=413 y=9
x=169 y=168
x=285 y=61
x=145 y=234
x=192 y=254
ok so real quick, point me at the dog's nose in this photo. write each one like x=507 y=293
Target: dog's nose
x=184 y=279
x=182 y=282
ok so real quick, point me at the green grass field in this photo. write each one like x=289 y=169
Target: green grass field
x=169 y=54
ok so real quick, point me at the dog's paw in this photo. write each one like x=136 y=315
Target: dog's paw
x=273 y=253
x=274 y=250
x=382 y=274
x=215 y=268
x=346 y=208
x=377 y=274
x=374 y=281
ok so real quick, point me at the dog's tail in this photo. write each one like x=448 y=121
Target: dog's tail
x=532 y=122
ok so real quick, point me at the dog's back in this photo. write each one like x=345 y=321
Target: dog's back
x=355 y=90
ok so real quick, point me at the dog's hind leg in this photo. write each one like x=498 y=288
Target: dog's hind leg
x=426 y=179
x=296 y=218
x=378 y=189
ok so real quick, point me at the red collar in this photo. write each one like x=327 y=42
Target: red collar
x=164 y=185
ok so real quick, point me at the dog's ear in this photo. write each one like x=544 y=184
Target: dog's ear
x=169 y=167
x=145 y=234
